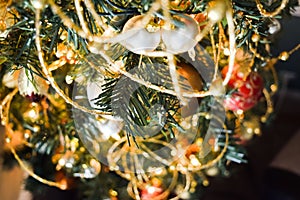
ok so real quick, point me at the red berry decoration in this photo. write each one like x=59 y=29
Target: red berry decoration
x=248 y=91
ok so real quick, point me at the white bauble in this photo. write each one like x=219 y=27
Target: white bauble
x=183 y=37
x=139 y=38
x=10 y=79
x=30 y=83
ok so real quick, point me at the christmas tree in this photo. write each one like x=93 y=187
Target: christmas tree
x=135 y=99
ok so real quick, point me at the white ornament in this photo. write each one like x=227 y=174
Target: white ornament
x=29 y=83
x=179 y=38
x=141 y=39
x=182 y=38
x=217 y=11
x=10 y=79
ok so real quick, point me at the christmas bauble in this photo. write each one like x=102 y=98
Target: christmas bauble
x=274 y=26
x=216 y=10
x=239 y=74
x=192 y=81
x=247 y=90
x=182 y=38
x=140 y=38
x=191 y=75
x=177 y=39
x=93 y=89
x=10 y=79
x=152 y=190
x=237 y=102
x=109 y=126
x=31 y=84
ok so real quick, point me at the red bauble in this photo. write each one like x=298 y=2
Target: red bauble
x=237 y=102
x=151 y=192
x=248 y=91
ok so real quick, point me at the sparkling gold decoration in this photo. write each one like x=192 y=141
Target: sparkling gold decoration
x=255 y=37
x=7 y=18
x=275 y=12
x=284 y=56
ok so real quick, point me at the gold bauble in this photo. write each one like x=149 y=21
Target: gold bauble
x=191 y=75
x=255 y=37
x=284 y=56
x=249 y=128
x=194 y=82
x=216 y=10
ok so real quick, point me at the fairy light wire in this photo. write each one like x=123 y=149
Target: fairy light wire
x=297 y=47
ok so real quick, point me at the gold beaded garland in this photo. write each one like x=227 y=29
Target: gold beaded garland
x=284 y=56
x=255 y=37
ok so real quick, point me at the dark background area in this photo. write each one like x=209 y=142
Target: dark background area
x=286 y=39
x=260 y=179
